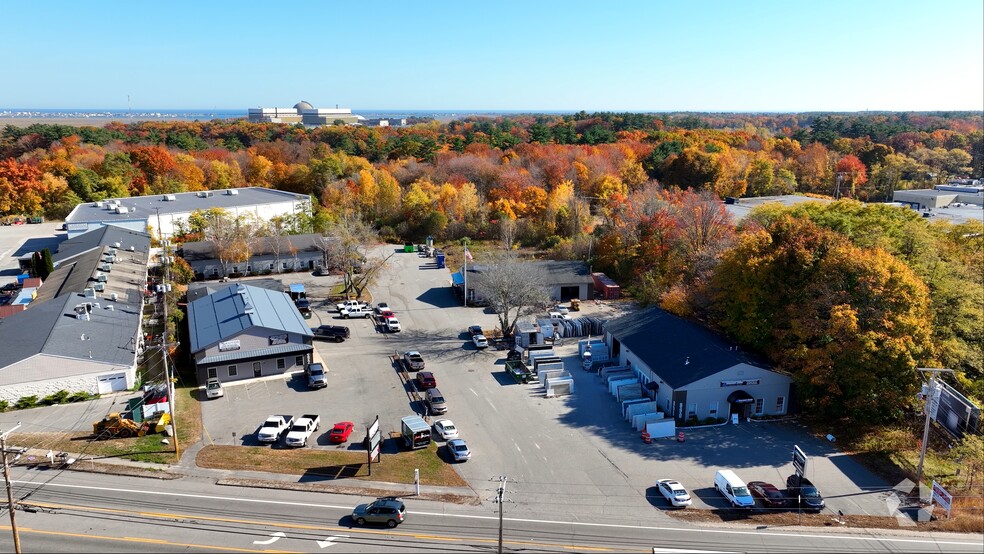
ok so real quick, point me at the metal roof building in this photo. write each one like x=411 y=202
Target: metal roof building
x=140 y=213
x=241 y=332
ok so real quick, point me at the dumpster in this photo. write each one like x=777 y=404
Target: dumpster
x=408 y=247
x=519 y=371
x=440 y=260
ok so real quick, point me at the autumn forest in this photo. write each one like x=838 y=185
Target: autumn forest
x=849 y=296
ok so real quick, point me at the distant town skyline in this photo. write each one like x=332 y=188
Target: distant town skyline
x=706 y=55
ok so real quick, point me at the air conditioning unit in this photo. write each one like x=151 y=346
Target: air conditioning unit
x=132 y=248
x=106 y=267
x=98 y=204
x=89 y=292
x=170 y=198
x=122 y=209
x=231 y=192
x=101 y=278
x=117 y=244
x=99 y=287
x=203 y=194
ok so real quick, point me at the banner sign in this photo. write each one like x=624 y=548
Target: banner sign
x=278 y=339
x=942 y=497
x=229 y=345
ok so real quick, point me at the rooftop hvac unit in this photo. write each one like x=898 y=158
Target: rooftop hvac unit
x=98 y=204
x=98 y=287
x=110 y=258
x=132 y=248
x=110 y=307
x=89 y=292
x=232 y=192
x=114 y=297
x=203 y=194
x=101 y=277
x=122 y=209
x=106 y=267
x=117 y=244
x=170 y=198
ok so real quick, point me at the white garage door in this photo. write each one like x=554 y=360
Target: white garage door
x=112 y=383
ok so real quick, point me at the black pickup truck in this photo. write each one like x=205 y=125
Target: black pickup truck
x=337 y=333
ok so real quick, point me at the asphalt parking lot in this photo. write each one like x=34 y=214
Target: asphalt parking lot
x=17 y=240
x=575 y=450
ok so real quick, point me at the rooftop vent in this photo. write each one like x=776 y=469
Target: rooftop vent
x=98 y=287
x=204 y=193
x=241 y=289
x=117 y=244
x=122 y=209
x=101 y=277
x=131 y=248
x=114 y=297
x=232 y=192
x=170 y=198
x=89 y=292
x=106 y=267
x=110 y=307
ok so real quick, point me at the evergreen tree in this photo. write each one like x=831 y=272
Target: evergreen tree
x=47 y=266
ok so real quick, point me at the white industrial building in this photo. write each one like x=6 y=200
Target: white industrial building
x=305 y=114
x=166 y=211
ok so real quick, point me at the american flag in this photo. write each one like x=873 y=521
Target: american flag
x=468 y=255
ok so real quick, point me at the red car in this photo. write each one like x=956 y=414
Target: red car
x=340 y=432
x=768 y=494
x=426 y=380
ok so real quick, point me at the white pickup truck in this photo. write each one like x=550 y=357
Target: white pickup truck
x=273 y=427
x=355 y=312
x=349 y=304
x=302 y=430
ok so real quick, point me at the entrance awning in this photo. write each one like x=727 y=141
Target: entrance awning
x=740 y=397
x=457 y=279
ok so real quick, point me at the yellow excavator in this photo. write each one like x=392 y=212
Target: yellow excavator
x=115 y=425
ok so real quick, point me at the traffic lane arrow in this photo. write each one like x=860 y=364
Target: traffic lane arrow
x=328 y=541
x=274 y=537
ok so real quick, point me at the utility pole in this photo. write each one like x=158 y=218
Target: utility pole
x=169 y=382
x=930 y=400
x=10 y=492
x=500 y=501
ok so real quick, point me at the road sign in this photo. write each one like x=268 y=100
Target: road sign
x=799 y=461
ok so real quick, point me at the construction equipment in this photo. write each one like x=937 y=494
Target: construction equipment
x=116 y=425
x=575 y=305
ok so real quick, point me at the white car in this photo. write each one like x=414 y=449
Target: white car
x=445 y=429
x=561 y=309
x=480 y=341
x=459 y=450
x=213 y=388
x=674 y=492
x=393 y=325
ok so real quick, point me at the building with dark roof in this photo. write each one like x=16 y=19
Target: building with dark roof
x=168 y=211
x=83 y=330
x=267 y=255
x=693 y=372
x=241 y=332
x=564 y=280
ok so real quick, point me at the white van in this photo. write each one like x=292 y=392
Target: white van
x=734 y=489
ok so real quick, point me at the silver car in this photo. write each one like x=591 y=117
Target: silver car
x=459 y=450
x=389 y=510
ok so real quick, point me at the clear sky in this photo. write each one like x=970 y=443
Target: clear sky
x=700 y=55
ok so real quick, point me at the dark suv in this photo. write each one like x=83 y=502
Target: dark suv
x=389 y=510
x=337 y=333
x=801 y=489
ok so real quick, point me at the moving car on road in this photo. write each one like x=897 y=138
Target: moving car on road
x=389 y=510
x=674 y=492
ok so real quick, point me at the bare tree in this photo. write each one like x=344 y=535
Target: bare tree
x=232 y=238
x=507 y=232
x=277 y=230
x=512 y=287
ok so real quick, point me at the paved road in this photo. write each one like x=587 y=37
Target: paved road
x=99 y=513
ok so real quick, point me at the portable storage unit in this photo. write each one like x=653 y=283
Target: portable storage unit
x=605 y=287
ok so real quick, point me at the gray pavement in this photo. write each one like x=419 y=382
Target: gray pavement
x=17 y=240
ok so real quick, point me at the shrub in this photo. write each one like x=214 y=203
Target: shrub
x=551 y=242
x=4 y=405
x=26 y=402
x=79 y=397
x=55 y=398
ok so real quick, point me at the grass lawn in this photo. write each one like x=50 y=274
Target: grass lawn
x=392 y=468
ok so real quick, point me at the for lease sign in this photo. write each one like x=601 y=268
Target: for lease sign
x=941 y=497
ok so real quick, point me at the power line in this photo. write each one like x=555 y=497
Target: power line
x=10 y=492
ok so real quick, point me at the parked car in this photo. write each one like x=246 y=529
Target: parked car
x=348 y=313
x=413 y=361
x=352 y=304
x=213 y=388
x=381 y=306
x=561 y=309
x=674 y=492
x=802 y=490
x=733 y=488
x=459 y=450
x=558 y=316
x=337 y=333
x=388 y=510
x=425 y=380
x=767 y=493
x=341 y=432
x=445 y=429
x=475 y=330
x=393 y=325
x=302 y=429
x=480 y=341
x=273 y=427
x=316 y=376
x=436 y=404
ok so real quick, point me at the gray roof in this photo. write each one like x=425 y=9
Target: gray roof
x=127 y=275
x=145 y=207
x=103 y=236
x=677 y=350
x=263 y=246
x=554 y=272
x=52 y=328
x=201 y=289
x=283 y=349
x=238 y=307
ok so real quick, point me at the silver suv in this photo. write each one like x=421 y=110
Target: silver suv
x=388 y=509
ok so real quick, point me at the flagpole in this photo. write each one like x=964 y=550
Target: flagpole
x=465 y=275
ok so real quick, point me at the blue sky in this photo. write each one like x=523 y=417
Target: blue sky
x=701 y=55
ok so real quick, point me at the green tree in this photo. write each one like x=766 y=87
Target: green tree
x=692 y=169
x=47 y=266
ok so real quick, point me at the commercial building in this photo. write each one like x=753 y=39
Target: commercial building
x=692 y=372
x=241 y=332
x=267 y=255
x=304 y=113
x=168 y=211
x=564 y=280
x=83 y=330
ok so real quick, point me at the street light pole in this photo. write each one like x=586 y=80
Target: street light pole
x=930 y=399
x=10 y=492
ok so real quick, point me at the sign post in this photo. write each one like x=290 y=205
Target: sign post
x=799 y=461
x=942 y=497
x=372 y=442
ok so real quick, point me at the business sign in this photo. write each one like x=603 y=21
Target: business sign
x=953 y=411
x=229 y=345
x=799 y=461
x=374 y=452
x=740 y=383
x=374 y=428
x=278 y=339
x=942 y=497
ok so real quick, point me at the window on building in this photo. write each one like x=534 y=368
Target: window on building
x=235 y=269
x=759 y=404
x=257 y=369
x=299 y=361
x=281 y=363
x=284 y=265
x=233 y=371
x=249 y=269
x=213 y=373
x=215 y=272
x=271 y=267
x=692 y=411
x=667 y=407
x=712 y=410
x=781 y=405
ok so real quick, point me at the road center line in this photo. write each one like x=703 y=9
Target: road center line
x=762 y=533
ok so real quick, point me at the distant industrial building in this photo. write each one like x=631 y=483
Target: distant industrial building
x=167 y=211
x=941 y=196
x=305 y=114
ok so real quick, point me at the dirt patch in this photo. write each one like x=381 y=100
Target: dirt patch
x=338 y=489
